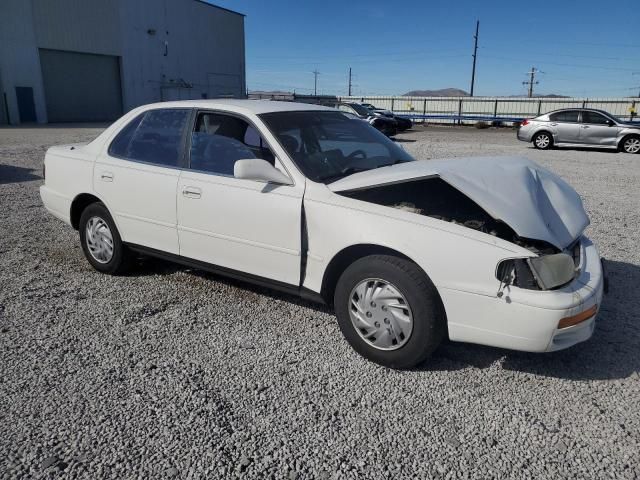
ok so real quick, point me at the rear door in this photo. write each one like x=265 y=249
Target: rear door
x=138 y=175
x=565 y=126
x=243 y=225
x=597 y=129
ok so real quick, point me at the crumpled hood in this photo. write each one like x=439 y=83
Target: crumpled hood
x=533 y=201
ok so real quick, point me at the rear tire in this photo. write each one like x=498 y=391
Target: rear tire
x=101 y=242
x=381 y=299
x=543 y=141
x=630 y=144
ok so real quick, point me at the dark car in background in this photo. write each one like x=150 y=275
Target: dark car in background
x=386 y=125
x=403 y=123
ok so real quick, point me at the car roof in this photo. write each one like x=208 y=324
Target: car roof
x=581 y=109
x=256 y=107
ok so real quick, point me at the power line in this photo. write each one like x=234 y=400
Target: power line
x=315 y=81
x=475 y=54
x=545 y=62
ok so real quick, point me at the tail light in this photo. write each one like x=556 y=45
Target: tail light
x=524 y=122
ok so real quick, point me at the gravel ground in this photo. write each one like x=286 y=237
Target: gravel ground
x=170 y=372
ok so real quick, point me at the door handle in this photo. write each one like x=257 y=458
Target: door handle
x=106 y=176
x=585 y=126
x=191 y=192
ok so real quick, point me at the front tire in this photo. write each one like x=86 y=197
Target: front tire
x=631 y=144
x=101 y=242
x=543 y=141
x=389 y=311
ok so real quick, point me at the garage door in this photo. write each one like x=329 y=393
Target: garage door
x=81 y=87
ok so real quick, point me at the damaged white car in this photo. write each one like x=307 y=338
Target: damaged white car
x=304 y=199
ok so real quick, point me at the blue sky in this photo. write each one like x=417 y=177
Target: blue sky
x=585 y=48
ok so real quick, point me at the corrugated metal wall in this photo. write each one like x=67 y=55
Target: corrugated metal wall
x=447 y=109
x=164 y=49
x=90 y=26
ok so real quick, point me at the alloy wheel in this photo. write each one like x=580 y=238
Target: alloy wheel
x=632 y=145
x=542 y=141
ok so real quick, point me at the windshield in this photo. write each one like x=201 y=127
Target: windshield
x=327 y=146
x=360 y=109
x=616 y=119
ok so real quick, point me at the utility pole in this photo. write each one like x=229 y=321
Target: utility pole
x=349 y=81
x=315 y=82
x=532 y=82
x=475 y=54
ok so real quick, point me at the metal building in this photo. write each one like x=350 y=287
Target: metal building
x=92 y=60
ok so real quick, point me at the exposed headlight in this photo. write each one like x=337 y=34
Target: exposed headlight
x=553 y=270
x=537 y=273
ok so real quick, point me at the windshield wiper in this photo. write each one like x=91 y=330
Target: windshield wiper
x=344 y=173
x=395 y=162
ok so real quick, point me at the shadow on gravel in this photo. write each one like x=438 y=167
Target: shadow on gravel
x=155 y=266
x=403 y=140
x=612 y=352
x=11 y=174
x=583 y=149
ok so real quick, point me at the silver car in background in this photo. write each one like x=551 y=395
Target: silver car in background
x=580 y=127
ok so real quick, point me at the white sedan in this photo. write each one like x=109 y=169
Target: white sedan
x=304 y=199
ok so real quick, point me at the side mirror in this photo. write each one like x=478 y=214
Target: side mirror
x=611 y=123
x=260 y=170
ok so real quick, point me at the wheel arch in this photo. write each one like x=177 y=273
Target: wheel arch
x=346 y=257
x=544 y=130
x=625 y=137
x=79 y=203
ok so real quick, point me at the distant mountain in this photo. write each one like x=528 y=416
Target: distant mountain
x=443 y=92
x=550 y=95
x=456 y=92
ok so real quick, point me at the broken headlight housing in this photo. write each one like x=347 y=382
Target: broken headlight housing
x=537 y=273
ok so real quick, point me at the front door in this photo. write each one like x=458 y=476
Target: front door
x=243 y=225
x=138 y=176
x=596 y=129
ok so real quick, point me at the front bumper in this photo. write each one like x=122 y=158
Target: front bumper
x=528 y=320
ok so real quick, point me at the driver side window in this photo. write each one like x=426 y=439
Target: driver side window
x=594 y=118
x=219 y=140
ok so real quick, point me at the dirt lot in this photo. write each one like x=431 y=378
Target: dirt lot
x=170 y=372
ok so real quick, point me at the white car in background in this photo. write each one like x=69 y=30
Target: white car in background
x=305 y=199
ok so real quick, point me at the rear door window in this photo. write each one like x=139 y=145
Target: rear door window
x=154 y=137
x=569 y=116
